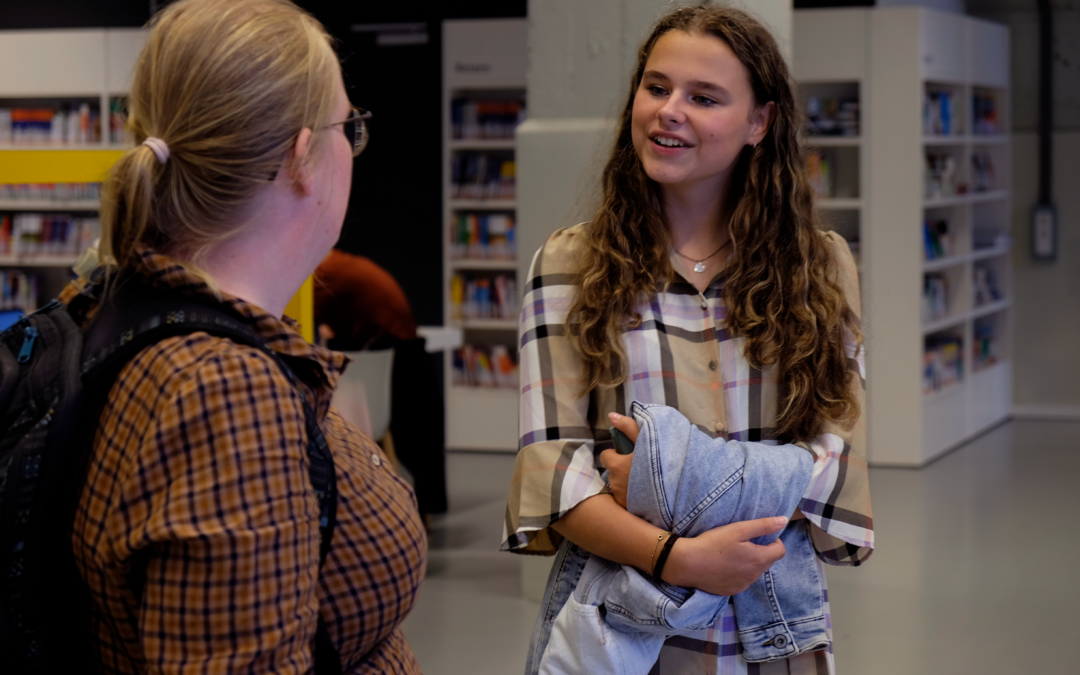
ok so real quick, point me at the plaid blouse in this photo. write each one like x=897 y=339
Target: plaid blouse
x=197 y=529
x=683 y=356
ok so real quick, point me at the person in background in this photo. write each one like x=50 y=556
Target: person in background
x=197 y=532
x=703 y=283
x=359 y=305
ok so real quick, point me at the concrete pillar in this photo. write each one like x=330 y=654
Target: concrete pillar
x=581 y=57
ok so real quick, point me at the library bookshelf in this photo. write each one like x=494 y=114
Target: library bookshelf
x=484 y=65
x=69 y=69
x=931 y=218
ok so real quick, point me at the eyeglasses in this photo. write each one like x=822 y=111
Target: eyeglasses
x=355 y=129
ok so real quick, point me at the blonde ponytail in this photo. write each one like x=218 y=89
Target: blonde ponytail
x=227 y=86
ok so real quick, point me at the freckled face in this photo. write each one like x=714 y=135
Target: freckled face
x=694 y=111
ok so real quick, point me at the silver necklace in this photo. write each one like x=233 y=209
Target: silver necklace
x=699 y=265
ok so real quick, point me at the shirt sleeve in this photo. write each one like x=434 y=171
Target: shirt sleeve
x=555 y=468
x=837 y=501
x=220 y=504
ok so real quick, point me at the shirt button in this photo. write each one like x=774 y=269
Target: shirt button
x=704 y=305
x=779 y=641
x=719 y=426
x=375 y=459
x=712 y=364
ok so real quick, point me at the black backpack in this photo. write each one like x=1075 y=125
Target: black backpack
x=54 y=380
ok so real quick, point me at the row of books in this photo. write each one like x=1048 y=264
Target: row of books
x=50 y=192
x=484 y=366
x=938 y=240
x=483 y=297
x=482 y=175
x=943 y=361
x=832 y=116
x=18 y=291
x=472 y=120
x=30 y=235
x=77 y=124
x=480 y=236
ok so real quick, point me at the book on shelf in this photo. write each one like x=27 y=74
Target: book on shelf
x=943 y=361
x=986 y=285
x=938 y=241
x=939 y=114
x=482 y=236
x=984 y=114
x=983 y=177
x=484 y=366
x=986 y=346
x=477 y=119
x=483 y=297
x=18 y=291
x=935 y=298
x=830 y=116
x=34 y=235
x=482 y=175
x=819 y=168
x=50 y=192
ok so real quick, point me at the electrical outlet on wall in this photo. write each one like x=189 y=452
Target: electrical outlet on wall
x=1044 y=232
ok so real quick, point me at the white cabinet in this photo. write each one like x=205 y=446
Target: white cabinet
x=484 y=66
x=934 y=156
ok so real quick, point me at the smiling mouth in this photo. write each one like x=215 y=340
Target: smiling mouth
x=668 y=142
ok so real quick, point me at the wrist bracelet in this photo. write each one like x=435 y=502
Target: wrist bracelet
x=658 y=568
x=652 y=557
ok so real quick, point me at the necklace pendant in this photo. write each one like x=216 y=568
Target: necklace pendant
x=699 y=266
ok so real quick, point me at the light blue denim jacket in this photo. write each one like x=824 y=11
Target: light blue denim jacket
x=684 y=481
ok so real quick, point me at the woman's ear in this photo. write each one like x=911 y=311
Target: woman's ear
x=297 y=167
x=760 y=121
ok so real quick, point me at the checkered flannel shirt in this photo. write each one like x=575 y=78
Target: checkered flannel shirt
x=197 y=530
x=680 y=355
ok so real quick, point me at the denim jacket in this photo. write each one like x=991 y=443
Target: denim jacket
x=616 y=618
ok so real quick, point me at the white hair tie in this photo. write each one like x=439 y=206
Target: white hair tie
x=160 y=148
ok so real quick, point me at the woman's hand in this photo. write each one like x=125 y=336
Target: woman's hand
x=723 y=561
x=618 y=466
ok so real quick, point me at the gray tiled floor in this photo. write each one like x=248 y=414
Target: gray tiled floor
x=977 y=568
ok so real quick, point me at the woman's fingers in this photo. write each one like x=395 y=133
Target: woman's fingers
x=625 y=424
x=618 y=467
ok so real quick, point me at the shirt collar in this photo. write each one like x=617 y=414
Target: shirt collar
x=282 y=334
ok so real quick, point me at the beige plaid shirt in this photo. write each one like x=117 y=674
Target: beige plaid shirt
x=682 y=356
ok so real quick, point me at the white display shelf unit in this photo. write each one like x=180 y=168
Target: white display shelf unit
x=899 y=55
x=482 y=59
x=58 y=66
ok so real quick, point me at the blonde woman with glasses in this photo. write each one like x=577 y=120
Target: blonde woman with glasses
x=197 y=531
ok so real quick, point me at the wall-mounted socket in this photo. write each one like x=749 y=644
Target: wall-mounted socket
x=1044 y=232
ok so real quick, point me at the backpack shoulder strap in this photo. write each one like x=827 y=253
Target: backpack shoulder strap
x=135 y=318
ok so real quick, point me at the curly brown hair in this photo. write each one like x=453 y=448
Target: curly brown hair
x=781 y=289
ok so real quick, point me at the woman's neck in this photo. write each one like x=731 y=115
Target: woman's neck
x=696 y=220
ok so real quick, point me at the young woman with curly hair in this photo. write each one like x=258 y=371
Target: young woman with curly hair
x=704 y=282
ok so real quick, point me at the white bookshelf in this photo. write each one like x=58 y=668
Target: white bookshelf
x=482 y=59
x=52 y=67
x=899 y=56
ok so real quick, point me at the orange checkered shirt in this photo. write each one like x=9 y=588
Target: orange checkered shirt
x=197 y=529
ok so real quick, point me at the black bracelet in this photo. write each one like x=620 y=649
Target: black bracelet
x=658 y=568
